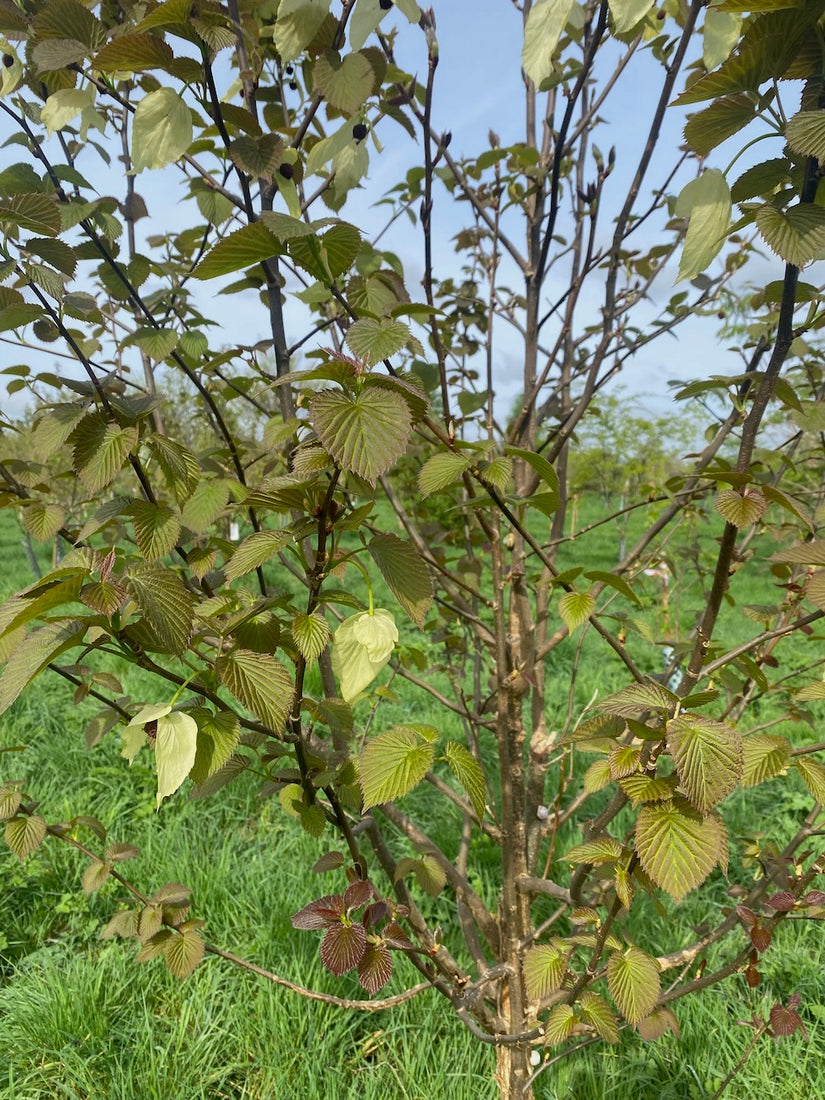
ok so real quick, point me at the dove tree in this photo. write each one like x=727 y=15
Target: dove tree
x=349 y=449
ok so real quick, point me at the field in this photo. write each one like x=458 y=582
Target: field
x=81 y=1020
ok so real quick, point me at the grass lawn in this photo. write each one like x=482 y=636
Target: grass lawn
x=81 y=1020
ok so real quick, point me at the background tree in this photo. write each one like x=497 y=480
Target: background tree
x=386 y=462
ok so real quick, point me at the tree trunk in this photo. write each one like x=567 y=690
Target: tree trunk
x=513 y=1070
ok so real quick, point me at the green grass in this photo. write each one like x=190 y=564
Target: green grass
x=80 y=1019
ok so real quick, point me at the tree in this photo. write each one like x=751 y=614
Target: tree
x=270 y=114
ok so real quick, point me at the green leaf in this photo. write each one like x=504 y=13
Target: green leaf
x=805 y=134
x=560 y=1024
x=43 y=521
x=218 y=737
x=814 y=775
x=64 y=105
x=158 y=343
x=38 y=213
x=311 y=634
x=720 y=34
x=181 y=469
x=32 y=655
x=394 y=762
x=597 y=777
x=261 y=683
x=725 y=117
x=429 y=874
x=251 y=244
x=544 y=968
x=796 y=235
x=708 y=758
x=706 y=203
x=362 y=646
x=259 y=156
x=633 y=980
x=101 y=448
x=366 y=17
x=469 y=773
x=165 y=602
x=344 y=82
x=161 y=130
x=603 y=849
x=576 y=608
x=677 y=846
x=24 y=835
x=635 y=699
x=254 y=551
x=205 y=505
x=374 y=339
x=741 y=509
x=54 y=252
x=627 y=13
x=366 y=433
x=542 y=31
x=298 y=23
x=405 y=572
x=133 y=53
x=764 y=755
x=597 y=1012
x=184 y=950
x=613 y=581
x=176 y=743
x=805 y=553
x=440 y=471
x=547 y=475
x=157 y=528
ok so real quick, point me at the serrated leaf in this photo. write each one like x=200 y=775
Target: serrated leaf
x=297 y=24
x=742 y=510
x=647 y=788
x=597 y=1012
x=469 y=773
x=597 y=777
x=161 y=129
x=440 y=471
x=260 y=682
x=805 y=553
x=249 y=245
x=375 y=968
x=205 y=505
x=344 y=82
x=706 y=203
x=343 y=947
x=560 y=1024
x=658 y=1023
x=814 y=775
x=10 y=800
x=602 y=850
x=95 y=875
x=165 y=602
x=796 y=235
x=42 y=520
x=180 y=467
x=635 y=699
x=157 y=528
x=255 y=550
x=157 y=343
x=64 y=105
x=429 y=874
x=544 y=968
x=613 y=581
x=576 y=608
x=259 y=156
x=133 y=53
x=101 y=448
x=37 y=213
x=60 y=255
x=677 y=846
x=184 y=950
x=815 y=588
x=805 y=134
x=366 y=433
x=764 y=755
x=119 y=852
x=24 y=835
x=392 y=763
x=33 y=653
x=633 y=980
x=715 y=124
x=375 y=339
x=405 y=572
x=362 y=646
x=311 y=634
x=708 y=758
x=542 y=31
x=218 y=737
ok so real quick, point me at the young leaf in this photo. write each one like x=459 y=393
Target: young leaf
x=658 y=1023
x=402 y=568
x=375 y=339
x=375 y=968
x=633 y=980
x=260 y=682
x=742 y=510
x=165 y=602
x=635 y=699
x=100 y=450
x=362 y=645
x=157 y=528
x=708 y=758
x=576 y=608
x=440 y=471
x=297 y=24
x=469 y=773
x=311 y=634
x=184 y=950
x=343 y=947
x=255 y=550
x=602 y=850
x=597 y=1012
x=544 y=969
x=25 y=834
x=560 y=1024
x=814 y=775
x=32 y=655
x=706 y=203
x=95 y=875
x=678 y=847
x=161 y=129
x=796 y=235
x=366 y=433
x=392 y=763
x=764 y=755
